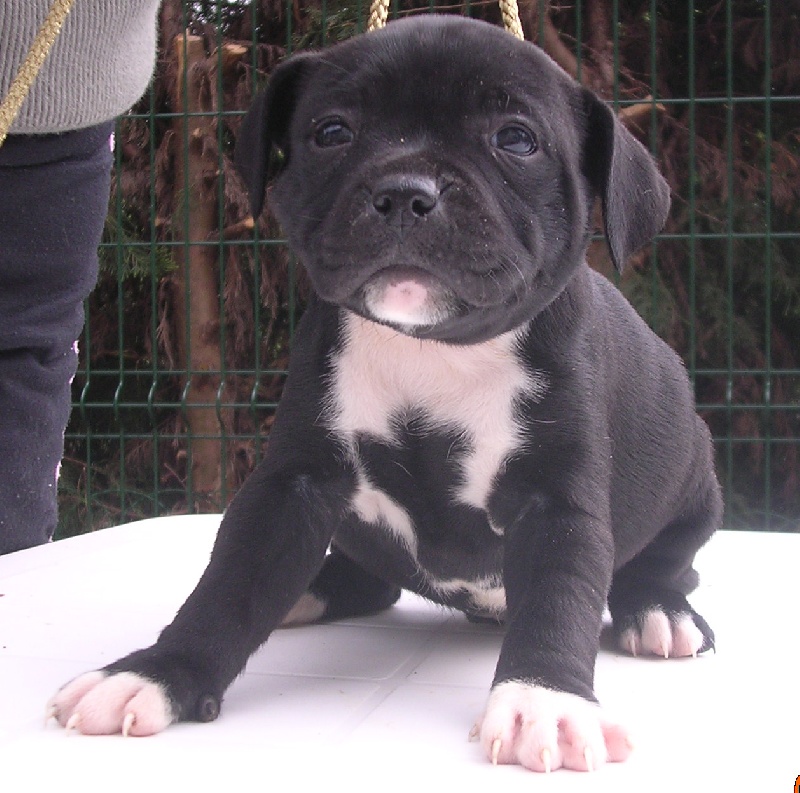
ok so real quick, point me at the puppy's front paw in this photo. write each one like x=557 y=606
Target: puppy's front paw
x=655 y=632
x=99 y=703
x=544 y=730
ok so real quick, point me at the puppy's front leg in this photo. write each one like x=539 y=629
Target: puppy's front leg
x=270 y=545
x=542 y=712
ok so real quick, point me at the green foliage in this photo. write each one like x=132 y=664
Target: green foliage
x=329 y=24
x=123 y=254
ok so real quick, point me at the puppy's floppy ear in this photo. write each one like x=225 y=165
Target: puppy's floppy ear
x=262 y=146
x=635 y=196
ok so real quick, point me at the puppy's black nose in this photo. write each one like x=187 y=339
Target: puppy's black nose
x=404 y=199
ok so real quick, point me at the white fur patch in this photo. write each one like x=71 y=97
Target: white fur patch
x=372 y=505
x=382 y=375
x=487 y=594
x=101 y=704
x=309 y=608
x=408 y=303
x=664 y=637
x=544 y=730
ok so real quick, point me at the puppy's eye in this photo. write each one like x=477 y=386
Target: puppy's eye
x=332 y=133
x=515 y=139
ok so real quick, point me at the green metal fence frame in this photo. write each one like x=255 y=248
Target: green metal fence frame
x=129 y=505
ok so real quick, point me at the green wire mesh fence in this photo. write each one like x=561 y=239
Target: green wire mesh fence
x=188 y=332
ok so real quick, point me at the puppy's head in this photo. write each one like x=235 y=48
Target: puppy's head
x=438 y=175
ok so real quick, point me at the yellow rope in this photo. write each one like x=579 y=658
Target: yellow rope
x=33 y=62
x=510 y=13
x=379 y=13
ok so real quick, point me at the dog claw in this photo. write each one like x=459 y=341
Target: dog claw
x=546 y=760
x=127 y=723
x=73 y=723
x=52 y=713
x=588 y=756
x=630 y=646
x=496 y=746
x=474 y=732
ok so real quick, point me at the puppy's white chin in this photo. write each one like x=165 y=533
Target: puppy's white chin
x=406 y=303
x=405 y=321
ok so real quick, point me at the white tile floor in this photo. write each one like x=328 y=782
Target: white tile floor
x=386 y=702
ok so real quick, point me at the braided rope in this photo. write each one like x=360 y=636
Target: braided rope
x=23 y=81
x=379 y=13
x=510 y=13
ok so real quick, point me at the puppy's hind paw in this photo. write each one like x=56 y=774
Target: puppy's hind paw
x=544 y=730
x=655 y=632
x=99 y=703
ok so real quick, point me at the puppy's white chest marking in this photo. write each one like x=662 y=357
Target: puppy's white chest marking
x=372 y=505
x=381 y=377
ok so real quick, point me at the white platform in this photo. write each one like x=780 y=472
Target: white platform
x=384 y=703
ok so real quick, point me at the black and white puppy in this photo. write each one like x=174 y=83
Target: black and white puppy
x=471 y=412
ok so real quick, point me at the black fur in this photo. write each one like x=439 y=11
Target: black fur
x=613 y=488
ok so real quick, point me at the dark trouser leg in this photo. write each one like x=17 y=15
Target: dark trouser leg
x=53 y=202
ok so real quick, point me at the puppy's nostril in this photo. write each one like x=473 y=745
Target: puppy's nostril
x=383 y=203
x=422 y=204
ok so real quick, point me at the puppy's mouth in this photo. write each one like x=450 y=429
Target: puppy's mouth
x=407 y=298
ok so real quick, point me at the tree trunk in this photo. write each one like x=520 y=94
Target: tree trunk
x=197 y=308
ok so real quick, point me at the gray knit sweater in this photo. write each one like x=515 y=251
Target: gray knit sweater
x=98 y=67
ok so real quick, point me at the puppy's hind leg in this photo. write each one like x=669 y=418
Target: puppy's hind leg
x=342 y=589
x=648 y=602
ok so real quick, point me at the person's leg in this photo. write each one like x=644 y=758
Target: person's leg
x=53 y=202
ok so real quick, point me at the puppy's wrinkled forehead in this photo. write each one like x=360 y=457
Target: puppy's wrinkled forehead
x=442 y=71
